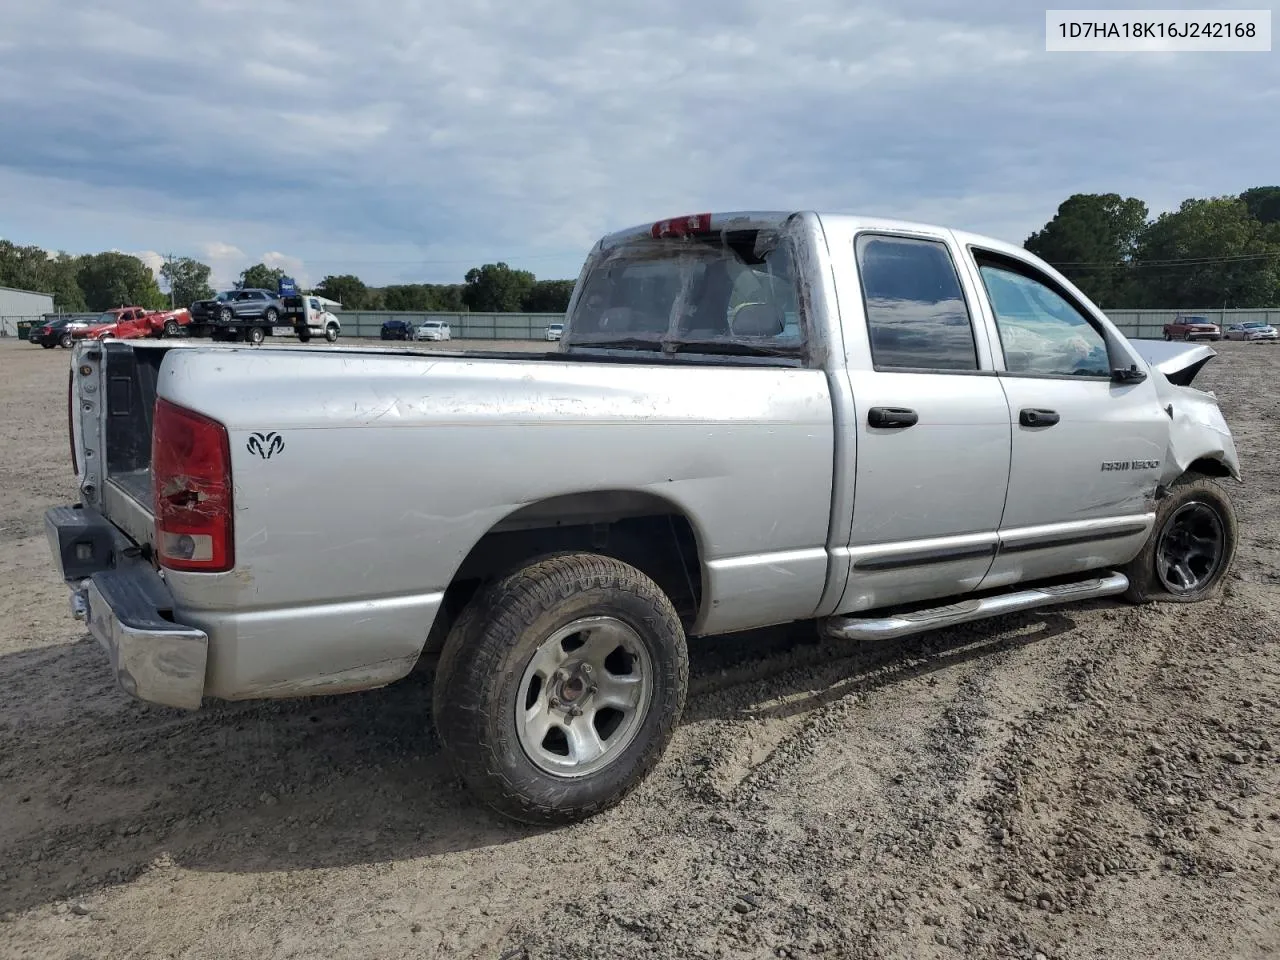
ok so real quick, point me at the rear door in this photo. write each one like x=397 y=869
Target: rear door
x=931 y=429
x=1087 y=451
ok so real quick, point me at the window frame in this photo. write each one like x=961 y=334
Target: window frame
x=978 y=370
x=1029 y=271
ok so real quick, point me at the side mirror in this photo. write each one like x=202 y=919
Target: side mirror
x=1133 y=374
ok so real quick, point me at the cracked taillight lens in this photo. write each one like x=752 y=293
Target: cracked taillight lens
x=191 y=479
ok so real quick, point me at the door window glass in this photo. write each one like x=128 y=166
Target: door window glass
x=1040 y=332
x=916 y=313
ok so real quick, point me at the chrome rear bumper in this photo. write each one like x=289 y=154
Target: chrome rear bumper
x=128 y=609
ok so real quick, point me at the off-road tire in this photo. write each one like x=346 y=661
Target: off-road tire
x=1144 y=582
x=478 y=677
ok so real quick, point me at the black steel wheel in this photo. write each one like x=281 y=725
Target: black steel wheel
x=1191 y=546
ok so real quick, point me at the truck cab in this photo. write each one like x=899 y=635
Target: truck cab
x=309 y=316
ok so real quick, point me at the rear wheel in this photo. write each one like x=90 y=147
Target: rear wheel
x=271 y=315
x=171 y=328
x=304 y=335
x=65 y=342
x=255 y=335
x=1191 y=546
x=560 y=687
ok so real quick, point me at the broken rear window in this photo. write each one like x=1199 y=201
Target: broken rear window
x=713 y=289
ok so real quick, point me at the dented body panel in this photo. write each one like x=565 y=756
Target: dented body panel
x=364 y=480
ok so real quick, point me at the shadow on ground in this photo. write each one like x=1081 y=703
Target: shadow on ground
x=98 y=786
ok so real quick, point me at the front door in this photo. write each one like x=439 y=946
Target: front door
x=932 y=430
x=1087 y=451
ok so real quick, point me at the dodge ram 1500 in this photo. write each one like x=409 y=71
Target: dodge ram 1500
x=750 y=419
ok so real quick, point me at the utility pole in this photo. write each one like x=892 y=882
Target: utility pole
x=168 y=259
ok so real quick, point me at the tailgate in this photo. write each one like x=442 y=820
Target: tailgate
x=115 y=384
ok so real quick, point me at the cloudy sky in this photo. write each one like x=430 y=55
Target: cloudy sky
x=406 y=140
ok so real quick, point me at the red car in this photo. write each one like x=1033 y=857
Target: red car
x=132 y=323
x=1192 y=328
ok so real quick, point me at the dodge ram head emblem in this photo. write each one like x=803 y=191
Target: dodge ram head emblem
x=266 y=445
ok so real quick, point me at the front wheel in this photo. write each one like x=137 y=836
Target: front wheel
x=171 y=328
x=331 y=333
x=560 y=686
x=1191 y=546
x=65 y=342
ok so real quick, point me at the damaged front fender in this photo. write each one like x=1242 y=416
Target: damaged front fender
x=1197 y=430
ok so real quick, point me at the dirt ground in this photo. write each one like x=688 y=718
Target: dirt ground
x=1097 y=781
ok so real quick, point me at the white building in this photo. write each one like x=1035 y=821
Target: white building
x=18 y=305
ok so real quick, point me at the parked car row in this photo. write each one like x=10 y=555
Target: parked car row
x=396 y=329
x=120 y=323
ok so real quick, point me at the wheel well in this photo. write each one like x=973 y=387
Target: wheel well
x=649 y=533
x=1209 y=468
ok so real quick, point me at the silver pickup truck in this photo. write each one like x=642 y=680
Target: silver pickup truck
x=750 y=419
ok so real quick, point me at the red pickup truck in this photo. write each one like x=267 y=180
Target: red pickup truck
x=1192 y=328
x=131 y=323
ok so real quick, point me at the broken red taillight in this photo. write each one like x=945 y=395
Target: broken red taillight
x=191 y=479
x=682 y=226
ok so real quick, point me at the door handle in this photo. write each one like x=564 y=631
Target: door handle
x=892 y=417
x=1038 y=418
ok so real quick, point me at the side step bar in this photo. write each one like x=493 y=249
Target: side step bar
x=904 y=624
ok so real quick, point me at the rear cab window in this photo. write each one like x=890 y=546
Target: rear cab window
x=917 y=316
x=722 y=292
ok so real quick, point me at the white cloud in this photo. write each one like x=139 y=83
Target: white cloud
x=407 y=140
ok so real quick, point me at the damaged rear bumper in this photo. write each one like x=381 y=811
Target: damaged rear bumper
x=129 y=610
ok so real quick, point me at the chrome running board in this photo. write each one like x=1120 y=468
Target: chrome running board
x=904 y=624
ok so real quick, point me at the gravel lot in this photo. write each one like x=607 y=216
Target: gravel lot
x=1097 y=781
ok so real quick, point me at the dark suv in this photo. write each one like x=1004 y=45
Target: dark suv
x=396 y=330
x=249 y=304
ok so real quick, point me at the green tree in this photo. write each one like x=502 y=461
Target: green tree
x=260 y=277
x=495 y=288
x=24 y=267
x=1263 y=203
x=1092 y=240
x=423 y=297
x=1224 y=257
x=347 y=289
x=117 y=279
x=64 y=270
x=548 y=296
x=188 y=280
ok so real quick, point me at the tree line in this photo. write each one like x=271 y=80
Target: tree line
x=1211 y=252
x=99 y=281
